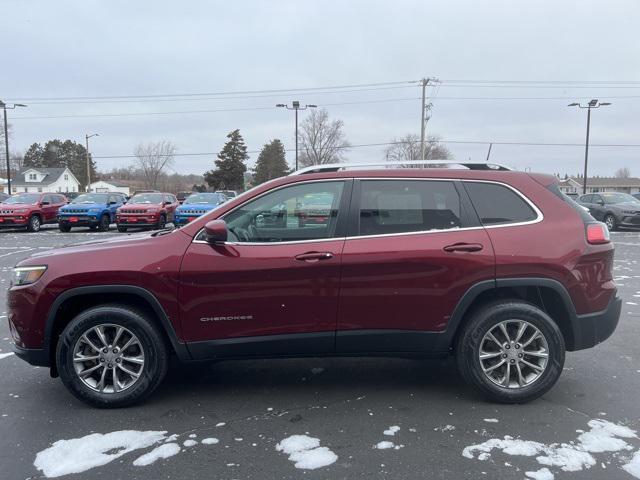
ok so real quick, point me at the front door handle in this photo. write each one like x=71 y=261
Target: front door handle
x=463 y=247
x=313 y=257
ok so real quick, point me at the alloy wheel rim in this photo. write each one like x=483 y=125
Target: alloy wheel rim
x=108 y=358
x=609 y=222
x=35 y=223
x=513 y=354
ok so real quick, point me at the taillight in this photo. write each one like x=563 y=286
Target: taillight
x=597 y=233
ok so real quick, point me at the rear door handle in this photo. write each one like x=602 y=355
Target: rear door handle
x=312 y=257
x=463 y=247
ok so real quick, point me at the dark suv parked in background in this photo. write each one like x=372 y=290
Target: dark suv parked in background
x=30 y=210
x=408 y=262
x=613 y=208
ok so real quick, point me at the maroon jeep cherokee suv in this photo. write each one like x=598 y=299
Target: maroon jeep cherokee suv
x=495 y=267
x=31 y=210
x=150 y=210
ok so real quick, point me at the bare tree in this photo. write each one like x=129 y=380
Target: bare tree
x=623 y=172
x=408 y=148
x=153 y=158
x=321 y=140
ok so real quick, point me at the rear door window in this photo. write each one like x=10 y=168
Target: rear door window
x=498 y=205
x=586 y=198
x=402 y=206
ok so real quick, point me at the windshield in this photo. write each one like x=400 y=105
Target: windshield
x=203 y=198
x=610 y=198
x=23 y=198
x=146 y=198
x=91 y=198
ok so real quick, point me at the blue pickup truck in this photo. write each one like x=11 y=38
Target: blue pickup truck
x=197 y=204
x=94 y=210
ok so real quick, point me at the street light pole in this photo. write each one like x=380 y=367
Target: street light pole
x=295 y=105
x=86 y=139
x=6 y=139
x=592 y=104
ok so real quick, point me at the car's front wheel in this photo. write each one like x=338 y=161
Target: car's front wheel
x=162 y=222
x=111 y=356
x=105 y=223
x=122 y=228
x=610 y=222
x=34 y=224
x=512 y=351
x=64 y=228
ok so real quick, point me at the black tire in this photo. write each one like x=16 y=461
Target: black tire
x=467 y=350
x=150 y=338
x=105 y=223
x=162 y=222
x=64 y=228
x=34 y=223
x=610 y=222
x=122 y=228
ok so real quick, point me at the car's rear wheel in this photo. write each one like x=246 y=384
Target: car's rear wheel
x=610 y=222
x=512 y=351
x=105 y=223
x=111 y=356
x=34 y=224
x=64 y=228
x=122 y=228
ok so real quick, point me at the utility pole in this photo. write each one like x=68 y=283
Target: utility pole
x=4 y=107
x=423 y=114
x=295 y=105
x=86 y=139
x=592 y=104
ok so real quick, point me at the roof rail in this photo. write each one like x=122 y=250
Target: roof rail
x=334 y=167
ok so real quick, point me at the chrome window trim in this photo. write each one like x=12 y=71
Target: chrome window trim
x=539 y=215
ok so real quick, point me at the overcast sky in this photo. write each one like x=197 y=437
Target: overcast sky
x=92 y=48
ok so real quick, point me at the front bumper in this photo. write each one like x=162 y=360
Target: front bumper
x=593 y=328
x=33 y=356
x=14 y=221
x=630 y=221
x=141 y=221
x=80 y=220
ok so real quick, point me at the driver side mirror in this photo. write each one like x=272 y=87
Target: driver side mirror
x=600 y=202
x=215 y=231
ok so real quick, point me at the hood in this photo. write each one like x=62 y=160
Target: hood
x=16 y=206
x=140 y=206
x=82 y=206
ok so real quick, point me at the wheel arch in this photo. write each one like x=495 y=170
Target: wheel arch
x=71 y=302
x=547 y=294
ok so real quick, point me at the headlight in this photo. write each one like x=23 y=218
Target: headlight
x=629 y=212
x=27 y=275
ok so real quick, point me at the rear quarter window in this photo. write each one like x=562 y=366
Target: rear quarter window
x=498 y=205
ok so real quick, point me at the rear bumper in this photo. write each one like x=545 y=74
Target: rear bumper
x=594 y=328
x=33 y=356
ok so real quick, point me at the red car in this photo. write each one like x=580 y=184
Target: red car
x=31 y=210
x=149 y=209
x=411 y=262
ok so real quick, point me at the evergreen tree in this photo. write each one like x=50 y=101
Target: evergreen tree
x=230 y=167
x=271 y=163
x=59 y=154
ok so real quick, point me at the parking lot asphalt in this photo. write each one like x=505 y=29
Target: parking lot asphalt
x=348 y=404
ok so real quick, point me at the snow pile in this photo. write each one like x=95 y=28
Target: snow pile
x=391 y=431
x=491 y=420
x=633 y=467
x=165 y=450
x=5 y=355
x=81 y=454
x=306 y=452
x=209 y=441
x=542 y=474
x=189 y=443
x=384 y=445
x=575 y=456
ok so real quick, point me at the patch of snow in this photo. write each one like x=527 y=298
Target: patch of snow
x=165 y=450
x=491 y=420
x=603 y=436
x=446 y=428
x=385 y=445
x=633 y=467
x=189 y=443
x=193 y=435
x=542 y=474
x=306 y=452
x=209 y=441
x=391 y=431
x=5 y=355
x=221 y=424
x=78 y=455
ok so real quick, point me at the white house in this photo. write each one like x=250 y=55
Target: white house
x=102 y=186
x=573 y=185
x=34 y=180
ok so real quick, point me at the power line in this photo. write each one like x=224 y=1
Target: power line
x=383 y=144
